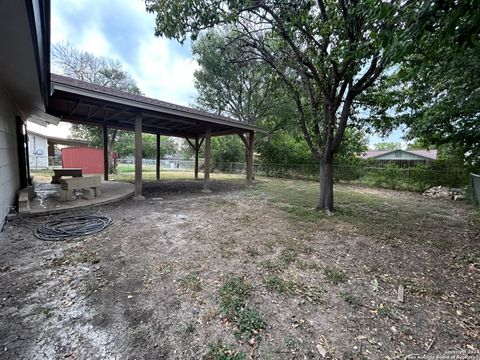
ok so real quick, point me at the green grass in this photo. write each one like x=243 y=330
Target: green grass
x=222 y=352
x=288 y=256
x=276 y=283
x=350 y=298
x=190 y=328
x=233 y=297
x=191 y=283
x=334 y=275
x=312 y=294
x=249 y=322
x=384 y=215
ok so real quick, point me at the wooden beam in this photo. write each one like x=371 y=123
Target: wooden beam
x=244 y=139
x=157 y=162
x=138 y=156
x=98 y=110
x=105 y=152
x=75 y=108
x=206 y=170
x=196 y=148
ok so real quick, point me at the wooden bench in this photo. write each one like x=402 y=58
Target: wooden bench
x=74 y=172
x=90 y=186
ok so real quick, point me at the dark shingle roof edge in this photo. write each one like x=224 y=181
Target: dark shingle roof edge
x=64 y=83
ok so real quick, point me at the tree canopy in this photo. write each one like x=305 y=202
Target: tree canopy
x=440 y=79
x=325 y=53
x=228 y=86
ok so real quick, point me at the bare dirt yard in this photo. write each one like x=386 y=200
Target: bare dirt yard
x=248 y=273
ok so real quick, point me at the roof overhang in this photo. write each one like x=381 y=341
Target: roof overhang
x=58 y=140
x=80 y=102
x=25 y=49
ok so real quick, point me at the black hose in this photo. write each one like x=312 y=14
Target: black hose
x=72 y=226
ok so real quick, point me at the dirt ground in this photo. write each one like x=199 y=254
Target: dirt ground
x=152 y=285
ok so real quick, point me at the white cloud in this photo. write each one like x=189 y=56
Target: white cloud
x=160 y=71
x=59 y=28
x=94 y=41
x=162 y=74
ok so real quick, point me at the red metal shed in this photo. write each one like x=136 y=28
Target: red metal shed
x=90 y=160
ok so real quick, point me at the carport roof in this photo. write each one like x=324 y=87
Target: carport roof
x=82 y=102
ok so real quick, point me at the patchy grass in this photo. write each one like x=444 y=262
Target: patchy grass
x=252 y=251
x=276 y=283
x=249 y=322
x=367 y=211
x=418 y=288
x=177 y=253
x=273 y=265
x=191 y=283
x=190 y=327
x=288 y=256
x=312 y=294
x=350 y=298
x=47 y=312
x=222 y=352
x=233 y=297
x=334 y=275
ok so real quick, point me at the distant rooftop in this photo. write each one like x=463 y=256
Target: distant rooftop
x=427 y=154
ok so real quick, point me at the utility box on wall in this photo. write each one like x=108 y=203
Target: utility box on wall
x=90 y=160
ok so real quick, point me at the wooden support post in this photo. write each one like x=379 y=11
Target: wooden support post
x=206 y=170
x=157 y=163
x=197 y=148
x=27 y=158
x=105 y=152
x=138 y=156
x=22 y=152
x=249 y=159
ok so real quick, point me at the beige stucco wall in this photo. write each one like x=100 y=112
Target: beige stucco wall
x=9 y=174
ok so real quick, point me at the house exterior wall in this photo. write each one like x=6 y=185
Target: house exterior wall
x=37 y=151
x=9 y=172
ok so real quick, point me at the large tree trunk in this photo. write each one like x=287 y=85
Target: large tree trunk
x=325 y=198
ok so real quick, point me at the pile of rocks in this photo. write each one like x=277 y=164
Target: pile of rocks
x=444 y=192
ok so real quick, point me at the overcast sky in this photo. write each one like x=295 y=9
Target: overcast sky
x=123 y=30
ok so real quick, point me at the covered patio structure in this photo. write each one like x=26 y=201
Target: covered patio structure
x=85 y=103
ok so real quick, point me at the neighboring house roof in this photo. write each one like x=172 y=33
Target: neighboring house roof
x=80 y=101
x=375 y=154
x=58 y=140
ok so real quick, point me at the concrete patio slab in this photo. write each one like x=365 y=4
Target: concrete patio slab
x=47 y=200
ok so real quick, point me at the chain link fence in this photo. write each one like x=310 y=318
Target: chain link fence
x=417 y=178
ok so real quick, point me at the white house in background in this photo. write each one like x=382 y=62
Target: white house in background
x=400 y=155
x=41 y=148
x=24 y=88
x=37 y=150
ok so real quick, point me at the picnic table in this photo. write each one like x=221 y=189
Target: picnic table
x=73 y=172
